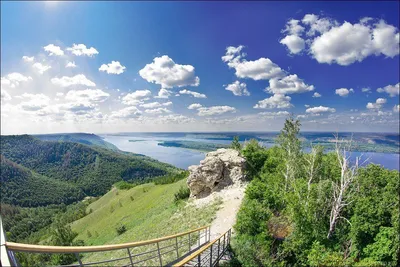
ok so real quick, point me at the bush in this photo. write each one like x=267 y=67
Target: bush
x=120 y=229
x=183 y=193
x=123 y=185
x=169 y=179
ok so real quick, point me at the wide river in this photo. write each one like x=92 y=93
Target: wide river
x=183 y=158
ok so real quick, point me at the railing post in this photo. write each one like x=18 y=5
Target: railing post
x=189 y=242
x=223 y=244
x=159 y=253
x=130 y=256
x=177 y=251
x=211 y=259
x=219 y=242
x=209 y=233
x=199 y=237
x=79 y=259
x=199 y=260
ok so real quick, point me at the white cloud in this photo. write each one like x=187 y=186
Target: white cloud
x=343 y=92
x=5 y=96
x=66 y=81
x=126 y=113
x=396 y=108
x=238 y=88
x=34 y=101
x=59 y=94
x=156 y=104
x=40 y=67
x=157 y=111
x=275 y=101
x=378 y=104
x=165 y=72
x=28 y=59
x=392 y=90
x=260 y=69
x=329 y=42
x=194 y=94
x=136 y=97
x=288 y=85
x=366 y=90
x=163 y=93
x=316 y=94
x=53 y=50
x=90 y=95
x=114 y=67
x=70 y=64
x=320 y=109
x=82 y=50
x=294 y=43
x=173 y=118
x=274 y=114
x=215 y=110
x=307 y=106
x=13 y=80
x=195 y=106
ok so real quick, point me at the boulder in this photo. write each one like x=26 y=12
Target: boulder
x=219 y=169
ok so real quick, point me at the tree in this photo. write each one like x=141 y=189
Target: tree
x=291 y=145
x=236 y=144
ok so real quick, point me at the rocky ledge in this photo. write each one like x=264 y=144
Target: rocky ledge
x=220 y=169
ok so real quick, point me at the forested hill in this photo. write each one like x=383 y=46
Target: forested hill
x=83 y=138
x=35 y=167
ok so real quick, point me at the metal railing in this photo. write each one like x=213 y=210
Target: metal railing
x=208 y=255
x=156 y=252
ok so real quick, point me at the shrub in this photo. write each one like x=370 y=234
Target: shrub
x=123 y=185
x=183 y=193
x=120 y=229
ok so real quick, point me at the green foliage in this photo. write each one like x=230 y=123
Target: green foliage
x=255 y=155
x=236 y=144
x=182 y=194
x=169 y=179
x=123 y=185
x=120 y=229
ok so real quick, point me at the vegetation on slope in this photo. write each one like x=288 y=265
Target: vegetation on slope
x=90 y=169
x=315 y=209
x=195 y=145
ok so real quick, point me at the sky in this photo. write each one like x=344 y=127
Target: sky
x=107 y=67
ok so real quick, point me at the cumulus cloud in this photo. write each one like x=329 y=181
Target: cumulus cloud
x=366 y=90
x=53 y=50
x=28 y=59
x=215 y=110
x=157 y=111
x=70 y=64
x=274 y=114
x=343 y=92
x=396 y=108
x=320 y=109
x=194 y=94
x=14 y=79
x=378 y=104
x=114 y=67
x=163 y=93
x=288 y=85
x=39 y=67
x=316 y=94
x=195 y=106
x=392 y=90
x=156 y=104
x=260 y=69
x=66 y=81
x=238 y=88
x=126 y=113
x=329 y=41
x=90 y=95
x=165 y=72
x=136 y=97
x=33 y=102
x=275 y=101
x=5 y=96
x=82 y=50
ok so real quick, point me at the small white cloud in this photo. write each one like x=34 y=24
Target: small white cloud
x=215 y=110
x=378 y=104
x=288 y=85
x=114 y=67
x=343 y=92
x=70 y=64
x=40 y=67
x=82 y=50
x=238 y=88
x=320 y=109
x=195 y=106
x=165 y=72
x=396 y=108
x=392 y=90
x=366 y=90
x=163 y=93
x=66 y=81
x=294 y=43
x=316 y=94
x=194 y=94
x=60 y=94
x=156 y=104
x=275 y=101
x=53 y=50
x=126 y=113
x=90 y=95
x=34 y=102
x=28 y=59
x=13 y=80
x=136 y=97
x=157 y=111
x=274 y=114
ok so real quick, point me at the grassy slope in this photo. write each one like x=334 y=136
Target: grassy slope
x=151 y=214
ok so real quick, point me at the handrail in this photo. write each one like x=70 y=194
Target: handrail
x=200 y=251
x=77 y=249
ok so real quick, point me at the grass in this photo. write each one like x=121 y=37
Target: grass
x=147 y=211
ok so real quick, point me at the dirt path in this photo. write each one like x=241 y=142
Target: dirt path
x=226 y=215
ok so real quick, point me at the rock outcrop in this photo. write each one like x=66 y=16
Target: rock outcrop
x=220 y=169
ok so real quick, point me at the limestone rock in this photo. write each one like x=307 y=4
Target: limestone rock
x=221 y=168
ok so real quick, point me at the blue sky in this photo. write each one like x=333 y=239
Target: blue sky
x=163 y=57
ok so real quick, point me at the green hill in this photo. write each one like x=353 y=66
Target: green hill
x=91 y=169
